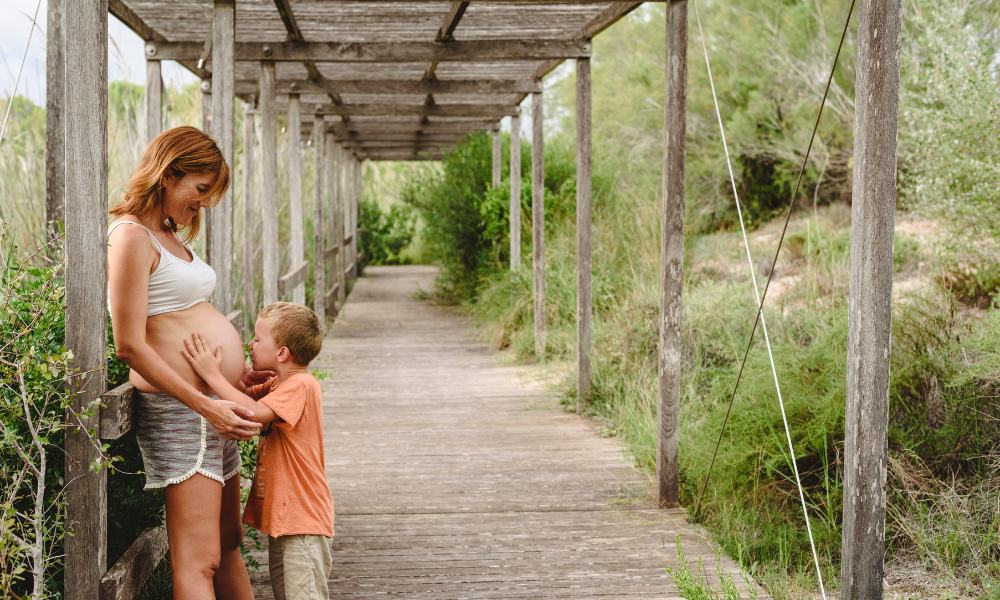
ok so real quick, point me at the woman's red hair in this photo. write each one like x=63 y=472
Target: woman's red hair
x=182 y=150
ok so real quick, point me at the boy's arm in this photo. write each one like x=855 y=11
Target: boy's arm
x=206 y=364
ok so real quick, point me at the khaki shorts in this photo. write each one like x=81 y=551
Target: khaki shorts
x=299 y=566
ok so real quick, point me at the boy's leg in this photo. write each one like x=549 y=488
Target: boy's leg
x=276 y=566
x=306 y=567
x=231 y=580
x=193 y=532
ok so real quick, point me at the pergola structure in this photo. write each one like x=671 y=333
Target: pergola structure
x=397 y=80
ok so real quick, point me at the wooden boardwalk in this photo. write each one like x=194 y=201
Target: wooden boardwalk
x=451 y=479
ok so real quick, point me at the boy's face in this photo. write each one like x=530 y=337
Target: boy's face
x=265 y=353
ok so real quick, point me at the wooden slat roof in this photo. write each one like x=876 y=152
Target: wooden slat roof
x=335 y=21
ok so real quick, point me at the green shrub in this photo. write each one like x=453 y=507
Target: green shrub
x=385 y=234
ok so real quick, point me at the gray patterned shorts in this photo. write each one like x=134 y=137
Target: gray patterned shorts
x=177 y=442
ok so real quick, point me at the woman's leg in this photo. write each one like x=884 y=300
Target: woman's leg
x=231 y=579
x=193 y=532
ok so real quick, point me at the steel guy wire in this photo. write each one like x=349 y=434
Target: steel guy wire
x=761 y=298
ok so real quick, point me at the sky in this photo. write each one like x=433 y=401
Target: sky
x=126 y=59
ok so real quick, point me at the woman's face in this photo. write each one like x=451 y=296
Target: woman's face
x=182 y=196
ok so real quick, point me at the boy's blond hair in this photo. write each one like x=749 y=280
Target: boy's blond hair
x=297 y=328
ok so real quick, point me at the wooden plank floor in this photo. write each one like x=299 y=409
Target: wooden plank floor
x=451 y=479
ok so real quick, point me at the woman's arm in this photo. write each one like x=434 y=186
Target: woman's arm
x=131 y=256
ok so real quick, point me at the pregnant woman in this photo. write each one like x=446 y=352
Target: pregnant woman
x=157 y=292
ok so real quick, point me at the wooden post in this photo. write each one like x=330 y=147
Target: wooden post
x=672 y=254
x=154 y=100
x=538 y=218
x=355 y=208
x=319 y=265
x=870 y=298
x=583 y=209
x=269 y=180
x=338 y=224
x=497 y=158
x=247 y=267
x=55 y=130
x=220 y=216
x=515 y=193
x=293 y=127
x=86 y=275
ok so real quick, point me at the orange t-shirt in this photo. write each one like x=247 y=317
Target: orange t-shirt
x=290 y=494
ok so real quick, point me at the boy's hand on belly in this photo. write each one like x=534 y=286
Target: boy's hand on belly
x=206 y=364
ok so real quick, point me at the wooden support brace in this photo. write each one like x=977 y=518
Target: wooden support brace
x=86 y=269
x=292 y=279
x=124 y=580
x=672 y=256
x=116 y=412
x=583 y=220
x=515 y=193
x=416 y=110
x=870 y=298
x=269 y=181
x=330 y=252
x=296 y=238
x=154 y=100
x=395 y=86
x=538 y=220
x=55 y=129
x=384 y=52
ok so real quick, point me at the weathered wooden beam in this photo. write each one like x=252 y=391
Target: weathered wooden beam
x=433 y=110
x=319 y=237
x=292 y=279
x=447 y=31
x=672 y=256
x=296 y=238
x=154 y=100
x=607 y=18
x=124 y=580
x=86 y=281
x=247 y=266
x=330 y=297
x=403 y=136
x=126 y=15
x=497 y=165
x=348 y=130
x=384 y=52
x=390 y=87
x=330 y=252
x=538 y=219
x=220 y=216
x=583 y=219
x=515 y=193
x=55 y=130
x=870 y=298
x=116 y=412
x=269 y=181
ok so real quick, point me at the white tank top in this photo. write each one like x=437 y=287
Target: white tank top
x=175 y=284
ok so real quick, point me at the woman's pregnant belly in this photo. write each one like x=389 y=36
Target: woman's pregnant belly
x=166 y=333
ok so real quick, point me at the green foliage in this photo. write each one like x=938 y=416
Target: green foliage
x=949 y=114
x=33 y=402
x=385 y=234
x=693 y=585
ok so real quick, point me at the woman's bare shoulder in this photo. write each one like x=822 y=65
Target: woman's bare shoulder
x=133 y=238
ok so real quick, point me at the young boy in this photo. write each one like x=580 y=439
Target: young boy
x=290 y=498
